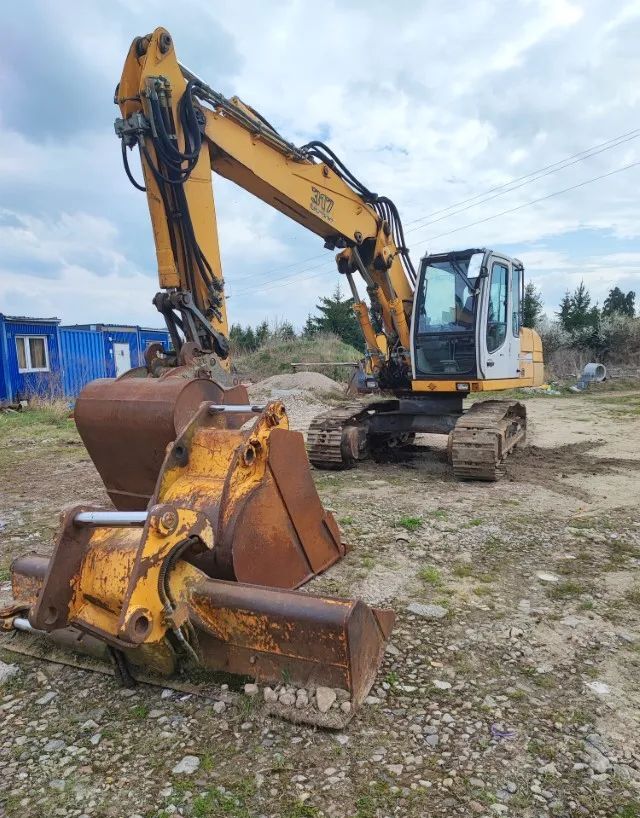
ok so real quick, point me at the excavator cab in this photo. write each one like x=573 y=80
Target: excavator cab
x=468 y=318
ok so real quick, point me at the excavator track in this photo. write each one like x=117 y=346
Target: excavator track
x=484 y=436
x=326 y=444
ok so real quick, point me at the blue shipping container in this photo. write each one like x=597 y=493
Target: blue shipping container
x=31 y=360
x=83 y=359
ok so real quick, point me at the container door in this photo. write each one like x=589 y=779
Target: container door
x=122 y=358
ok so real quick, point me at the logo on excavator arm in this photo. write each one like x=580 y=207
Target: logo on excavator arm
x=321 y=204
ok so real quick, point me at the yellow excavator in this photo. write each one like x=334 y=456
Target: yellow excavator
x=433 y=337
x=217 y=520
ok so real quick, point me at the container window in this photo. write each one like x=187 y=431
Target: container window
x=32 y=352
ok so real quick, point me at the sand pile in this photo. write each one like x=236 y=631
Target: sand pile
x=304 y=394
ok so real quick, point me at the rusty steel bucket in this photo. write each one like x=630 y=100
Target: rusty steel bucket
x=127 y=423
x=271 y=527
x=255 y=486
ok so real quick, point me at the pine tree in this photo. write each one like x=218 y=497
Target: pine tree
x=618 y=302
x=564 y=313
x=532 y=306
x=262 y=333
x=336 y=316
x=576 y=312
x=286 y=331
x=310 y=329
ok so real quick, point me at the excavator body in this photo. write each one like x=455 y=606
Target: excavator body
x=466 y=337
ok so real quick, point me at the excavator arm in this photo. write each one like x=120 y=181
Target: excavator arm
x=184 y=130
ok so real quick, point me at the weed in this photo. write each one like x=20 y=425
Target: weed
x=630 y=810
x=345 y=520
x=139 y=711
x=367 y=562
x=207 y=762
x=462 y=570
x=542 y=749
x=633 y=595
x=437 y=514
x=476 y=521
x=392 y=678
x=567 y=589
x=247 y=705
x=217 y=802
x=300 y=809
x=5 y=574
x=482 y=590
x=410 y=523
x=431 y=575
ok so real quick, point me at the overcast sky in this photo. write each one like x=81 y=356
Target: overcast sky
x=429 y=103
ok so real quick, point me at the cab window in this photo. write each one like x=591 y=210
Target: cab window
x=498 y=303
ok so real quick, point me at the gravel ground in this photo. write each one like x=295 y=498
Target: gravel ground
x=510 y=686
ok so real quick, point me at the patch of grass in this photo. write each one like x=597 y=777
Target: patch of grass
x=437 y=514
x=492 y=543
x=300 y=809
x=633 y=595
x=409 y=523
x=367 y=562
x=431 y=575
x=207 y=762
x=5 y=574
x=476 y=521
x=482 y=590
x=247 y=705
x=567 y=589
x=232 y=802
x=630 y=810
x=462 y=570
x=139 y=711
x=542 y=749
x=345 y=520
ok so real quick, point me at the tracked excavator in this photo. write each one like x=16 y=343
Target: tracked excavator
x=216 y=519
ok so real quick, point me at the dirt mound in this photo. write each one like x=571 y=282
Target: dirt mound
x=304 y=394
x=299 y=382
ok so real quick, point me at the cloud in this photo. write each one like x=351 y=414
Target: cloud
x=431 y=111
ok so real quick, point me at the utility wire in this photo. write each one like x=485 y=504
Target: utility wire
x=471 y=224
x=470 y=202
x=594 y=150
x=531 y=202
x=517 y=186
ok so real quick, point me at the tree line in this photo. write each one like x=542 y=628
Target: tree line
x=576 y=312
x=333 y=314
x=580 y=323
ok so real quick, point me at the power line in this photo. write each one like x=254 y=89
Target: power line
x=296 y=276
x=593 y=150
x=478 y=221
x=539 y=173
x=518 y=186
x=531 y=202
x=470 y=202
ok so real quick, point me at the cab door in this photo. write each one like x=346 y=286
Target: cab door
x=498 y=341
